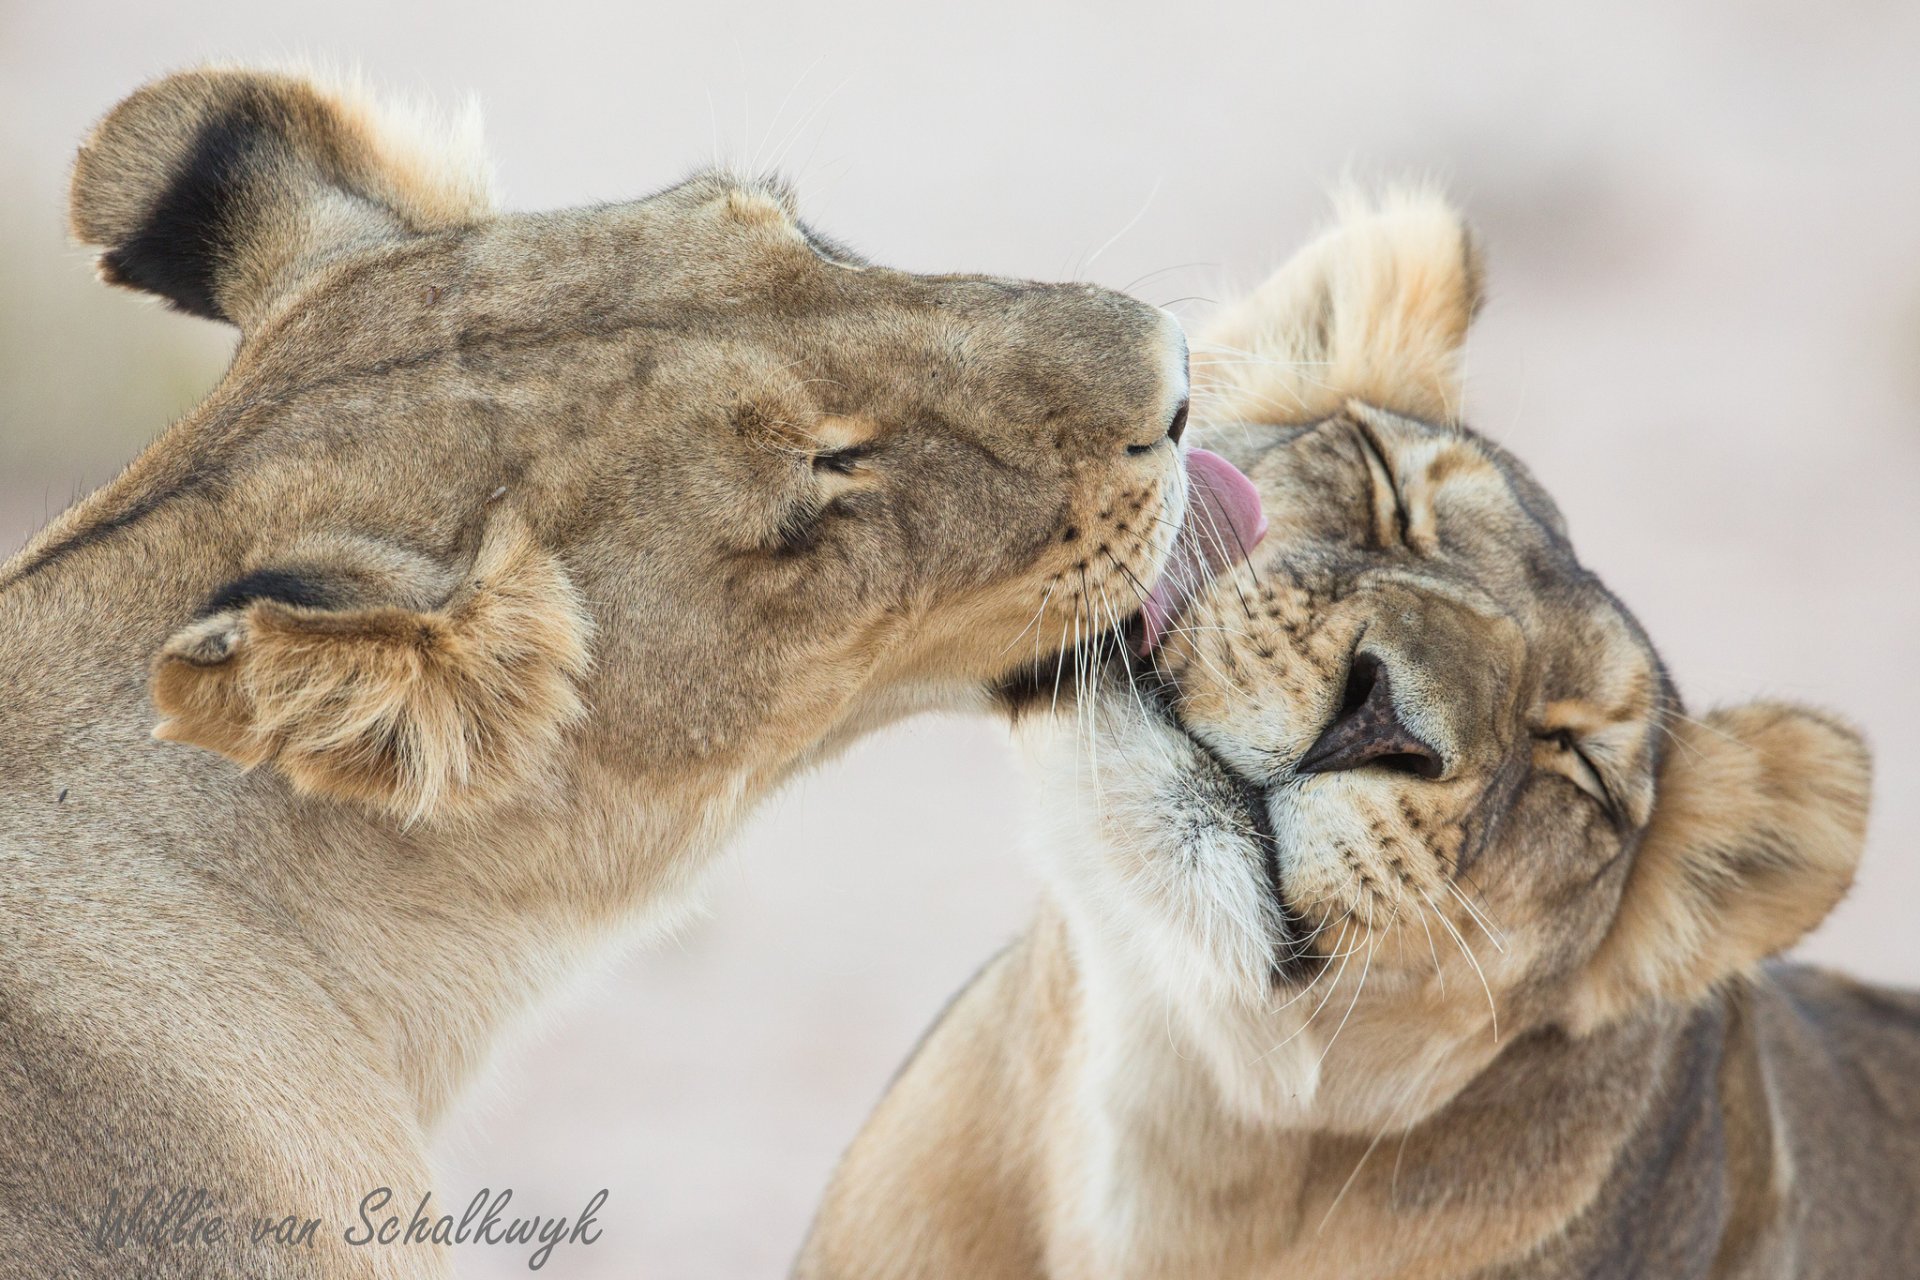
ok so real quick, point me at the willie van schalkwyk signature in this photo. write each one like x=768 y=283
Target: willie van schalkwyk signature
x=186 y=1218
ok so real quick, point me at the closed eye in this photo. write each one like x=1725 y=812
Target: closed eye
x=841 y=462
x=1584 y=773
x=1384 y=481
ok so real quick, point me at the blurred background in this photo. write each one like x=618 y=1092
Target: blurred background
x=1703 y=226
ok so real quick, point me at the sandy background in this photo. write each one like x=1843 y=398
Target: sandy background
x=1704 y=230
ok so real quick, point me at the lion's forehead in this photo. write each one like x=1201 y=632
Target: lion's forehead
x=721 y=282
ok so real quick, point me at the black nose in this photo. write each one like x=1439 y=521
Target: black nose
x=1178 y=427
x=1368 y=731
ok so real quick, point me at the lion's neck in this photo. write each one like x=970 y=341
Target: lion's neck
x=431 y=942
x=450 y=939
x=1186 y=1180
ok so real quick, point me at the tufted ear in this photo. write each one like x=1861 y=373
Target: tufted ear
x=1757 y=829
x=220 y=190
x=1376 y=309
x=331 y=669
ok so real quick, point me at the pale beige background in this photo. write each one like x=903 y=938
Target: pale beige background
x=1704 y=229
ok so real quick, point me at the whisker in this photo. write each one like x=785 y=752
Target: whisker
x=1473 y=960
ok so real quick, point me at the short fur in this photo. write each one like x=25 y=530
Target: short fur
x=512 y=559
x=1400 y=922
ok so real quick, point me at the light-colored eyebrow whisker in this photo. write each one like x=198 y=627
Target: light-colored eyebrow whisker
x=774 y=122
x=1210 y=400
x=1188 y=297
x=1086 y=264
x=1139 y=280
x=1259 y=362
x=807 y=117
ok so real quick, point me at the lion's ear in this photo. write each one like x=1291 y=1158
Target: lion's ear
x=1757 y=829
x=416 y=711
x=220 y=190
x=1376 y=309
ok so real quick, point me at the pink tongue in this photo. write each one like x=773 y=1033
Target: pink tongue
x=1224 y=521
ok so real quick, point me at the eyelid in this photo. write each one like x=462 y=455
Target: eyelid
x=1566 y=741
x=841 y=461
x=1382 y=473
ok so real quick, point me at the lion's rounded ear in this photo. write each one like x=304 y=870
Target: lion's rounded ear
x=219 y=190
x=1376 y=309
x=1757 y=829
x=417 y=712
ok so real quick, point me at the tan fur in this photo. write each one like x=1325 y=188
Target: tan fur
x=1754 y=841
x=1374 y=310
x=1492 y=1004
x=414 y=711
x=514 y=557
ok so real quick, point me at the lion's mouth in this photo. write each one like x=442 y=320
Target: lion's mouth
x=1224 y=521
x=1223 y=524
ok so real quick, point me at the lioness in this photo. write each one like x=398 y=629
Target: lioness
x=1400 y=921
x=512 y=558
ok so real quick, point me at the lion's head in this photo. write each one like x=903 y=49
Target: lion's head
x=681 y=463
x=1409 y=780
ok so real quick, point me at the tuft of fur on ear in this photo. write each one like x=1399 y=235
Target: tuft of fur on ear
x=1757 y=829
x=219 y=190
x=1376 y=309
x=419 y=713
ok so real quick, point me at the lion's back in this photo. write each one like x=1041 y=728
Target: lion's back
x=1843 y=1057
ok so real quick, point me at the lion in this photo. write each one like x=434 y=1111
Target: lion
x=1399 y=920
x=512 y=559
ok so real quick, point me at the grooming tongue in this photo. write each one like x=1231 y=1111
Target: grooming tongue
x=1224 y=521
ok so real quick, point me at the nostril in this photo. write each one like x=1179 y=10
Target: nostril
x=1367 y=730
x=1420 y=766
x=1175 y=429
x=1361 y=674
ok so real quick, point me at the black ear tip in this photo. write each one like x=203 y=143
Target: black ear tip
x=303 y=588
x=185 y=281
x=160 y=183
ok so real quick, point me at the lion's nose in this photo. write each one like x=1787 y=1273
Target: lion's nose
x=1368 y=730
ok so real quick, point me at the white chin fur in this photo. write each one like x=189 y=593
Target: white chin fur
x=1167 y=899
x=1173 y=927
